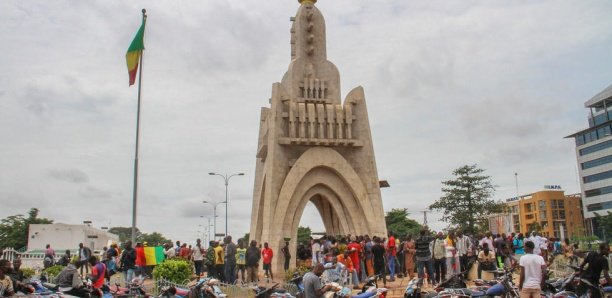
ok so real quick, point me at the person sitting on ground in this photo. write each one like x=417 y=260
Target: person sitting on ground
x=312 y=283
x=17 y=277
x=65 y=259
x=6 y=284
x=486 y=260
x=350 y=267
x=69 y=280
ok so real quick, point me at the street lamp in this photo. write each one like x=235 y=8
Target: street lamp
x=214 y=204
x=226 y=179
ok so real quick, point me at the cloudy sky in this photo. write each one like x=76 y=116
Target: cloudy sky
x=448 y=83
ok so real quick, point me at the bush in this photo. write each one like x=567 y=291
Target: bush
x=174 y=270
x=28 y=272
x=300 y=270
x=53 y=270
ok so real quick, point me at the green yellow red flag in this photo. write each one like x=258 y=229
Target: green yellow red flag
x=154 y=255
x=134 y=52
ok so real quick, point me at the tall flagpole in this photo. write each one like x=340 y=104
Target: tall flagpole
x=135 y=192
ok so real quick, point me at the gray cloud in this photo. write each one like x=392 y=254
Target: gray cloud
x=69 y=175
x=447 y=84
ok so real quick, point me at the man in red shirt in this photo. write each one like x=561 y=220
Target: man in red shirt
x=141 y=262
x=391 y=252
x=98 y=271
x=266 y=255
x=354 y=249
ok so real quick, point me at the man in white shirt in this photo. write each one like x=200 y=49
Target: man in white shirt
x=316 y=251
x=533 y=272
x=537 y=242
x=488 y=240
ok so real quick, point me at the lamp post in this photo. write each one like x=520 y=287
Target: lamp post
x=226 y=179
x=214 y=204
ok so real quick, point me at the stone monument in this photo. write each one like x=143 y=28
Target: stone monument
x=314 y=148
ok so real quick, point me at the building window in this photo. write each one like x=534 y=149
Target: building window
x=529 y=216
x=560 y=204
x=542 y=215
x=598 y=191
x=595 y=148
x=542 y=205
x=597 y=177
x=599 y=206
x=596 y=162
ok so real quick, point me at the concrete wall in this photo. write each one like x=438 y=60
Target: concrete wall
x=64 y=236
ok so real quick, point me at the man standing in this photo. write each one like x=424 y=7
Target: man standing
x=230 y=260
x=316 y=251
x=378 y=255
x=423 y=256
x=312 y=283
x=253 y=256
x=197 y=252
x=286 y=255
x=267 y=254
x=210 y=259
x=391 y=253
x=241 y=258
x=439 y=258
x=141 y=261
x=597 y=263
x=128 y=262
x=354 y=249
x=84 y=254
x=219 y=261
x=463 y=247
x=533 y=273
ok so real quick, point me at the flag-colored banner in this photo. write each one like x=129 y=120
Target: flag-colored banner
x=132 y=57
x=154 y=255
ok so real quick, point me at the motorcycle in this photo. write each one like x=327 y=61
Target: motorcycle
x=134 y=288
x=206 y=287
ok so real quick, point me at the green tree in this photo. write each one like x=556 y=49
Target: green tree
x=303 y=235
x=124 y=233
x=153 y=239
x=466 y=202
x=604 y=225
x=14 y=229
x=397 y=221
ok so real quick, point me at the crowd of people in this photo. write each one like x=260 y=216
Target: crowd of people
x=431 y=256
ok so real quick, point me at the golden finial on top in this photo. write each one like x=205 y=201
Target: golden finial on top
x=307 y=1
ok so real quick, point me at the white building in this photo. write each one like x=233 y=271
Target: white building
x=594 y=155
x=64 y=236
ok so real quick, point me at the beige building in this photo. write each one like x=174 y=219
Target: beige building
x=64 y=236
x=550 y=211
x=314 y=148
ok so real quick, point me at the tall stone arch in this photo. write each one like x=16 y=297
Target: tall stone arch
x=314 y=148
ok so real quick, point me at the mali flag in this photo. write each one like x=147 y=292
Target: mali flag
x=154 y=255
x=134 y=52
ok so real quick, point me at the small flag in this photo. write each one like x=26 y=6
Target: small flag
x=134 y=52
x=154 y=255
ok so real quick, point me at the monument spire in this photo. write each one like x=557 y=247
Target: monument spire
x=309 y=69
